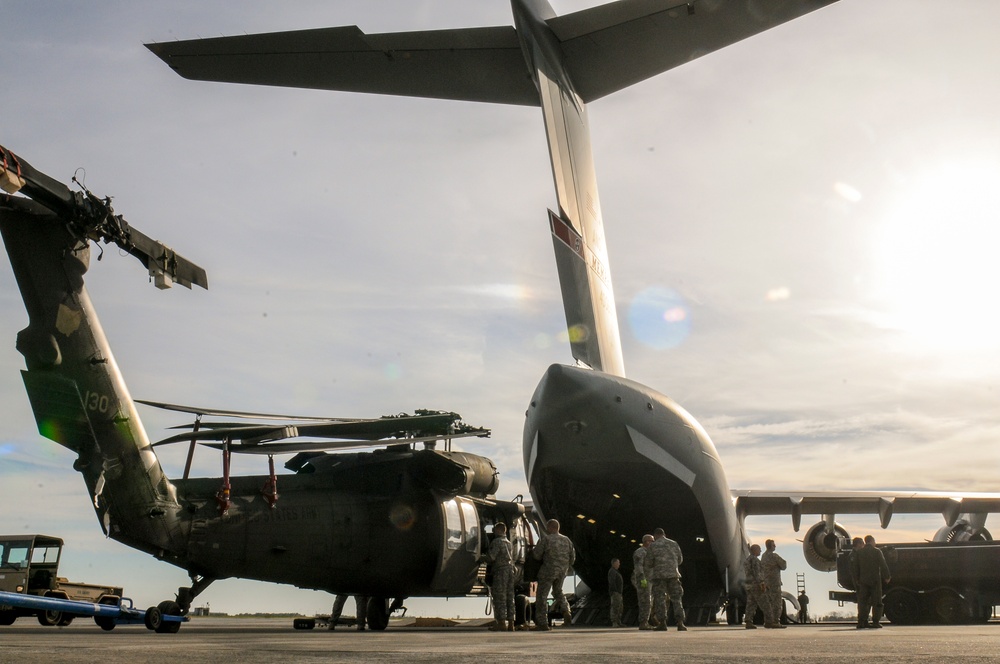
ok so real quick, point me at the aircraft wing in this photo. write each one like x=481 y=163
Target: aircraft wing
x=883 y=503
x=471 y=64
x=613 y=46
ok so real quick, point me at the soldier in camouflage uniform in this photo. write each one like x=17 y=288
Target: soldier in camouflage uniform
x=501 y=555
x=361 y=601
x=557 y=555
x=662 y=565
x=771 y=565
x=640 y=582
x=616 y=586
x=753 y=583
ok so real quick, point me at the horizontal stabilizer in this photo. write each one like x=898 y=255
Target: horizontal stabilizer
x=59 y=410
x=91 y=218
x=613 y=46
x=470 y=64
x=605 y=49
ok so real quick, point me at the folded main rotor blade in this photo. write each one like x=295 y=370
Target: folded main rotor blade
x=435 y=425
x=322 y=446
x=194 y=410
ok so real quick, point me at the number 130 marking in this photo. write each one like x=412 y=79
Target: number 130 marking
x=97 y=402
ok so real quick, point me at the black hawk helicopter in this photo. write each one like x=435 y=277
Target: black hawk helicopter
x=389 y=523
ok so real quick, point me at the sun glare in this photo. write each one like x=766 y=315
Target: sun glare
x=938 y=258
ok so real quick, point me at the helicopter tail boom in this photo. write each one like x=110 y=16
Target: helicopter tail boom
x=74 y=385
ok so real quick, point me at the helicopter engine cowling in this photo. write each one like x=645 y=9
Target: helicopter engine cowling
x=820 y=547
x=456 y=473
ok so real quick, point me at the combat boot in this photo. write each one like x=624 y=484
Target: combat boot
x=567 y=619
x=510 y=625
x=497 y=626
x=681 y=627
x=750 y=625
x=645 y=626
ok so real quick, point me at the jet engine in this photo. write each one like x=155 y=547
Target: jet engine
x=967 y=528
x=820 y=545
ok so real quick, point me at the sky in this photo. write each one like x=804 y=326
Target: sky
x=813 y=212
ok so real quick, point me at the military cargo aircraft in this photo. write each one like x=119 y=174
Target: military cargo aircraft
x=387 y=524
x=610 y=457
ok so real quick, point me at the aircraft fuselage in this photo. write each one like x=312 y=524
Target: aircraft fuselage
x=613 y=459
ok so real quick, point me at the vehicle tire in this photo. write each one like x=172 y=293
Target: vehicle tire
x=65 y=620
x=153 y=619
x=304 y=623
x=49 y=618
x=902 y=607
x=949 y=607
x=7 y=618
x=168 y=608
x=378 y=613
x=105 y=623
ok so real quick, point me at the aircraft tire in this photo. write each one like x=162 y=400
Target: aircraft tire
x=168 y=608
x=733 y=610
x=378 y=613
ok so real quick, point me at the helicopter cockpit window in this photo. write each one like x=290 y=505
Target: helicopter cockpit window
x=453 y=525
x=471 y=527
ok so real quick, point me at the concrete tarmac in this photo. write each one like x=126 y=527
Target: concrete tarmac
x=218 y=640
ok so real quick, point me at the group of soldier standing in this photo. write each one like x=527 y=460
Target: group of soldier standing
x=557 y=555
x=657 y=579
x=762 y=582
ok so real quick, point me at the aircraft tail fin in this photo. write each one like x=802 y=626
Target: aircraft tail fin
x=73 y=382
x=578 y=229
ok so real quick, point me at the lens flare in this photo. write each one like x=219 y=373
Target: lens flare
x=402 y=516
x=660 y=318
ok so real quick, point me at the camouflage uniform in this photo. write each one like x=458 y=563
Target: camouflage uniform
x=557 y=555
x=361 y=601
x=771 y=565
x=500 y=554
x=663 y=559
x=641 y=592
x=615 y=588
x=753 y=583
